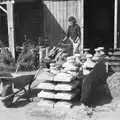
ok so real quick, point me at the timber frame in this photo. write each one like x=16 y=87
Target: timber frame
x=10 y=22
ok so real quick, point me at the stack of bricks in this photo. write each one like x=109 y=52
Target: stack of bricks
x=60 y=90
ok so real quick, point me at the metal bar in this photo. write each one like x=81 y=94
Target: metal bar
x=115 y=23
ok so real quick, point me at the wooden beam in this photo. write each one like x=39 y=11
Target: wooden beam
x=3 y=9
x=10 y=27
x=5 y=2
x=115 y=23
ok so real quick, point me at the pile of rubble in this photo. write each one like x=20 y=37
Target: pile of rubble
x=113 y=82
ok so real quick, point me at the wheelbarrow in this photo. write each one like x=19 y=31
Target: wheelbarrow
x=14 y=84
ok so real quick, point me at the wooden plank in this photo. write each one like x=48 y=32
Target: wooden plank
x=3 y=9
x=10 y=27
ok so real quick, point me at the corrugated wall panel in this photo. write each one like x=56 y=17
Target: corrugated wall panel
x=56 y=14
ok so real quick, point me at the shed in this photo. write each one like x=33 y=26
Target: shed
x=48 y=18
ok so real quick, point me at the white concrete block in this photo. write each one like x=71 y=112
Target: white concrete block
x=46 y=94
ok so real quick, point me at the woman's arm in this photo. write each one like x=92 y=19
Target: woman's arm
x=67 y=34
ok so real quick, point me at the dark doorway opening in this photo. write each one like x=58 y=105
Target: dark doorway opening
x=28 y=21
x=99 y=23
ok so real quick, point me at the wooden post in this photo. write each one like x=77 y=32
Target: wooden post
x=81 y=20
x=115 y=23
x=10 y=27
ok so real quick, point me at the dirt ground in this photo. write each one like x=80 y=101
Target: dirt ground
x=24 y=110
x=31 y=111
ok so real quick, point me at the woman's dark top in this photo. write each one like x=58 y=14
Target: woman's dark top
x=74 y=32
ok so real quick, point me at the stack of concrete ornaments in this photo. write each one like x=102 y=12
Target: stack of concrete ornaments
x=64 y=86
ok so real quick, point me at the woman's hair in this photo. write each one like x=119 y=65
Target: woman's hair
x=72 y=19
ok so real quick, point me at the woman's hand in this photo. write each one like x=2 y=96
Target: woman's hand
x=65 y=38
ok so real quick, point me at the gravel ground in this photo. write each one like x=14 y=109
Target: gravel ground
x=31 y=111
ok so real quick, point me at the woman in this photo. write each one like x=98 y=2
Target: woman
x=73 y=34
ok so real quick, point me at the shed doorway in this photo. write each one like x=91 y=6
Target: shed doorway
x=99 y=23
